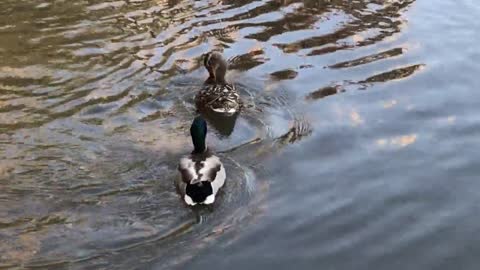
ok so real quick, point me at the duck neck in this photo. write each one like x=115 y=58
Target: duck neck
x=200 y=149
x=199 y=145
x=220 y=73
x=198 y=131
x=211 y=77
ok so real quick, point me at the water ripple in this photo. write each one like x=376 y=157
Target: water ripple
x=96 y=98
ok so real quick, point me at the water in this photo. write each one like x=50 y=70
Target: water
x=356 y=149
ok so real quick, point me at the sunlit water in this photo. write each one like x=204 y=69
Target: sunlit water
x=355 y=150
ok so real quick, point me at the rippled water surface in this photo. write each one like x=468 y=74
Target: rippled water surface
x=355 y=150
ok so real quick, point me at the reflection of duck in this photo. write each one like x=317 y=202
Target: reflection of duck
x=217 y=95
x=224 y=124
x=202 y=173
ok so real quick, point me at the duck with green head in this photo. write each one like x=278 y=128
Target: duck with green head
x=202 y=174
x=217 y=95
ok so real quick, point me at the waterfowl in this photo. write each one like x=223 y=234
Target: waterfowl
x=217 y=95
x=202 y=174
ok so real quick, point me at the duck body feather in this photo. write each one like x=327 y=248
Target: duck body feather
x=219 y=98
x=217 y=95
x=201 y=177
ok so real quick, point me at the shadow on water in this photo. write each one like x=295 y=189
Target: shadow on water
x=222 y=123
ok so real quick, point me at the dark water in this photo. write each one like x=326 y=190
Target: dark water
x=356 y=149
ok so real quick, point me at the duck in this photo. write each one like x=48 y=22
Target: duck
x=201 y=173
x=217 y=95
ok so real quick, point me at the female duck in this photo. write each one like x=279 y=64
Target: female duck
x=201 y=173
x=217 y=95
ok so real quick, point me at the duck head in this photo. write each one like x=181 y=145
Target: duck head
x=217 y=67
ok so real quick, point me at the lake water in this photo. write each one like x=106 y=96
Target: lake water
x=356 y=148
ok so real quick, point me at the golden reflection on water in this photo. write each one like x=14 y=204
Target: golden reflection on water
x=397 y=142
x=356 y=118
x=389 y=104
x=21 y=249
x=449 y=120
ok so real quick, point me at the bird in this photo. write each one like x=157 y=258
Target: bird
x=202 y=174
x=216 y=94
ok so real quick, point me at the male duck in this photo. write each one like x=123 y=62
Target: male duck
x=201 y=173
x=217 y=95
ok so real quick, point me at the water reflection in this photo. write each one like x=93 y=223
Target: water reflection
x=394 y=74
x=96 y=98
x=223 y=124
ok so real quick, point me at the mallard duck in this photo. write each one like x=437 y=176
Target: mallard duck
x=217 y=95
x=201 y=173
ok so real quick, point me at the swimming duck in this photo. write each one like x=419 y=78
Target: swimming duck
x=202 y=174
x=217 y=95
